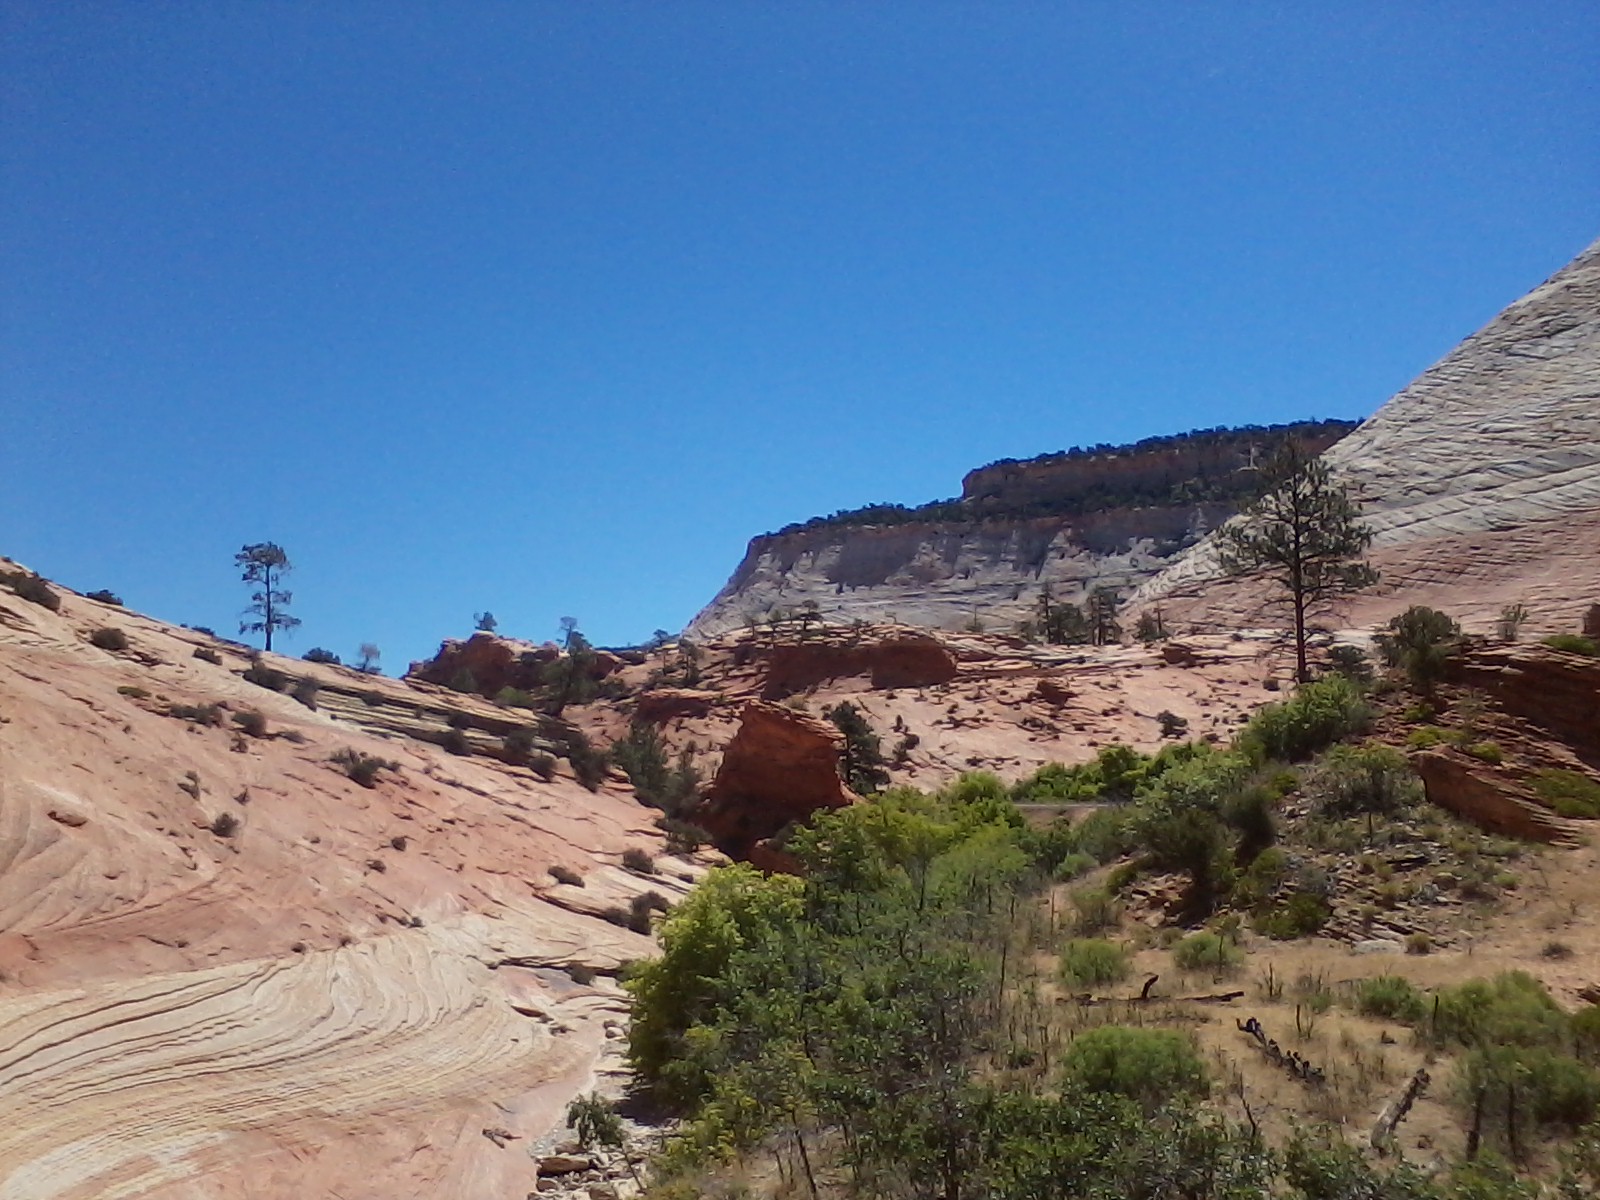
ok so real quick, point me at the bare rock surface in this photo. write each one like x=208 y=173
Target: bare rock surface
x=228 y=969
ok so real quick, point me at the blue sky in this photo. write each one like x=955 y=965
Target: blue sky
x=548 y=308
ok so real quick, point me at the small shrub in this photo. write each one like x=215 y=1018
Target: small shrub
x=1548 y=1086
x=588 y=764
x=517 y=745
x=1094 y=910
x=1149 y=1066
x=1172 y=725
x=1391 y=997
x=1512 y=618
x=133 y=692
x=1351 y=662
x=109 y=638
x=251 y=722
x=262 y=675
x=1556 y=951
x=318 y=655
x=1419 y=640
x=1569 y=793
x=543 y=765
x=1317 y=715
x=637 y=860
x=683 y=837
x=455 y=742
x=1301 y=915
x=224 y=824
x=1092 y=962
x=1573 y=643
x=200 y=714
x=207 y=654
x=463 y=681
x=1351 y=780
x=1207 y=952
x=566 y=875
x=510 y=697
x=1419 y=943
x=32 y=588
x=1071 y=866
x=363 y=768
x=305 y=691
x=105 y=597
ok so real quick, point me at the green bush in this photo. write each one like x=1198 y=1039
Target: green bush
x=510 y=697
x=1572 y=643
x=363 y=768
x=1488 y=752
x=1512 y=1009
x=1371 y=778
x=1095 y=910
x=1549 y=1086
x=1391 y=997
x=1569 y=793
x=1092 y=962
x=109 y=638
x=517 y=745
x=1072 y=865
x=639 y=861
x=1301 y=915
x=1148 y=1066
x=1419 y=640
x=1317 y=715
x=1105 y=834
x=543 y=765
x=1207 y=952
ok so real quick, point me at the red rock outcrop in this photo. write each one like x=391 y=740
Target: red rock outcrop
x=1488 y=798
x=906 y=659
x=1556 y=691
x=495 y=662
x=780 y=767
x=661 y=705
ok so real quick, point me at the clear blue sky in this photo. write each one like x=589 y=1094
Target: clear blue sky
x=548 y=308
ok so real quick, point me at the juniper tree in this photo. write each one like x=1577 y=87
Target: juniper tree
x=266 y=564
x=1305 y=533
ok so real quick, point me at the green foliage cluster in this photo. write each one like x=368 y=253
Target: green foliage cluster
x=1392 y=997
x=863 y=763
x=105 y=596
x=1573 y=643
x=1207 y=952
x=643 y=758
x=1570 y=793
x=1148 y=1066
x=1420 y=641
x=1092 y=962
x=1319 y=714
x=1351 y=780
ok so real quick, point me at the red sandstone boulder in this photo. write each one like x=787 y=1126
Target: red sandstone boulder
x=1488 y=798
x=780 y=767
x=668 y=704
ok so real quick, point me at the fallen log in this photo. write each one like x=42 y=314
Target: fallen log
x=1383 y=1131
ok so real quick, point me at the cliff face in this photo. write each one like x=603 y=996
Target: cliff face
x=1481 y=479
x=1113 y=516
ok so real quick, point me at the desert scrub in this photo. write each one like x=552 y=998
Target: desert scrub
x=1207 y=952
x=32 y=588
x=1316 y=716
x=1301 y=915
x=200 y=714
x=1488 y=752
x=1092 y=962
x=1149 y=1066
x=1094 y=910
x=252 y=722
x=1569 y=793
x=363 y=768
x=638 y=861
x=1371 y=778
x=566 y=875
x=109 y=638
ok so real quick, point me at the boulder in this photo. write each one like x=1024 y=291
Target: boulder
x=563 y=1164
x=1478 y=792
x=661 y=705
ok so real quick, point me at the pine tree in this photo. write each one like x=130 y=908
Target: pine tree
x=265 y=563
x=1305 y=532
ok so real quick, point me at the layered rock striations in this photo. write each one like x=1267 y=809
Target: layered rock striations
x=1481 y=479
x=1111 y=515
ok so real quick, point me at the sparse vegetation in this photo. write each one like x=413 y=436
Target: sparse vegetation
x=109 y=638
x=224 y=824
x=363 y=768
x=862 y=764
x=262 y=675
x=32 y=588
x=252 y=722
x=1391 y=997
x=318 y=655
x=1420 y=641
x=566 y=875
x=1569 y=793
x=1148 y=1066
x=104 y=597
x=200 y=714
x=1207 y=952
x=639 y=861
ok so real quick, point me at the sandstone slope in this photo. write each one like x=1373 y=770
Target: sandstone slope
x=226 y=969
x=1481 y=479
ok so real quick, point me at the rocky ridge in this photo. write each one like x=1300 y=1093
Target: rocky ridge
x=1113 y=516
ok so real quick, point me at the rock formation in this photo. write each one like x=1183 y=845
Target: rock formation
x=781 y=767
x=1481 y=478
x=489 y=663
x=1112 y=515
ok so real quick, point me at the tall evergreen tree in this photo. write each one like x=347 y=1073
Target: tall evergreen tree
x=1305 y=533
x=266 y=564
